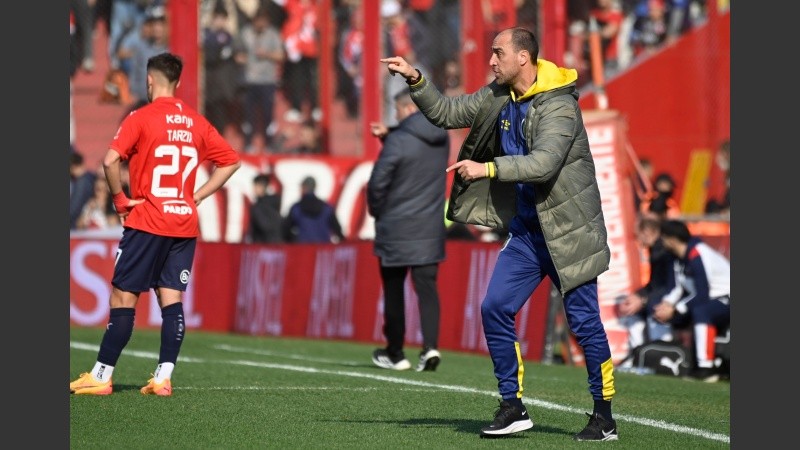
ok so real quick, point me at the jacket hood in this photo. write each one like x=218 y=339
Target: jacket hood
x=416 y=124
x=311 y=205
x=548 y=77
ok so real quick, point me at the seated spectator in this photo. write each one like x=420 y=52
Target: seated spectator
x=311 y=219
x=81 y=186
x=98 y=213
x=636 y=309
x=266 y=222
x=701 y=297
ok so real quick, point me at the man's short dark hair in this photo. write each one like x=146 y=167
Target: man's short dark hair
x=167 y=63
x=75 y=159
x=649 y=222
x=405 y=92
x=675 y=229
x=261 y=178
x=524 y=39
x=403 y=97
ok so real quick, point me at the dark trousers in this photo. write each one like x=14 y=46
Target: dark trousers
x=301 y=82
x=259 y=104
x=521 y=265
x=394 y=319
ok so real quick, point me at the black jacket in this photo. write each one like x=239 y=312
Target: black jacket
x=265 y=220
x=406 y=193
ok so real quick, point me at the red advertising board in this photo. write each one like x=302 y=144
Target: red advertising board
x=302 y=290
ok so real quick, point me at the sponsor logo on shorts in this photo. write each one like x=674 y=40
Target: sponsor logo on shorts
x=185 y=276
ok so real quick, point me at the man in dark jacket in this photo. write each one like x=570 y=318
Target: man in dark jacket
x=405 y=195
x=526 y=166
x=311 y=219
x=266 y=222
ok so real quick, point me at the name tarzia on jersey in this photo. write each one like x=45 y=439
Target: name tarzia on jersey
x=176 y=207
x=179 y=136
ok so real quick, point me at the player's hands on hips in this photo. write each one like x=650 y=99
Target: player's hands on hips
x=124 y=205
x=396 y=64
x=469 y=170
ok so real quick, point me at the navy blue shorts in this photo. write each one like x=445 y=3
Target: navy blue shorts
x=146 y=261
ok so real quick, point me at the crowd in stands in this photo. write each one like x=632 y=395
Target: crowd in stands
x=630 y=30
x=257 y=52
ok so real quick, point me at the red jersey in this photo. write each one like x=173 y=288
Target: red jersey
x=164 y=142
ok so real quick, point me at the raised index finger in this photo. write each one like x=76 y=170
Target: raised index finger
x=454 y=166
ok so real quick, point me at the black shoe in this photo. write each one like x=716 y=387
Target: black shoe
x=706 y=375
x=381 y=358
x=508 y=419
x=428 y=359
x=598 y=429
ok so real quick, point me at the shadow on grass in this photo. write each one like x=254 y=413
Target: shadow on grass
x=466 y=426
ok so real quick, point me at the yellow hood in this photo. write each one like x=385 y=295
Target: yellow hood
x=548 y=77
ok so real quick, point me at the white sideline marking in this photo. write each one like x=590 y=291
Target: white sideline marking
x=289 y=388
x=538 y=403
x=231 y=348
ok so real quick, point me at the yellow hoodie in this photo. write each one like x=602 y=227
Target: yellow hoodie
x=548 y=77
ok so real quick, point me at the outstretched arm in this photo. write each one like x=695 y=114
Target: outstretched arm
x=396 y=64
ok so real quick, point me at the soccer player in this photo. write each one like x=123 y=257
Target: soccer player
x=526 y=166
x=164 y=142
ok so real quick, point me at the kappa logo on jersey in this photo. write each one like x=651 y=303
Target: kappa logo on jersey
x=177 y=207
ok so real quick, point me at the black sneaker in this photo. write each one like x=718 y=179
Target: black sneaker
x=381 y=358
x=508 y=419
x=428 y=359
x=706 y=375
x=598 y=429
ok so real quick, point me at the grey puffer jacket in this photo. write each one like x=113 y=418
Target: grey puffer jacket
x=559 y=163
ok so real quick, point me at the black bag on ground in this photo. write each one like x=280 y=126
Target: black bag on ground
x=662 y=357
